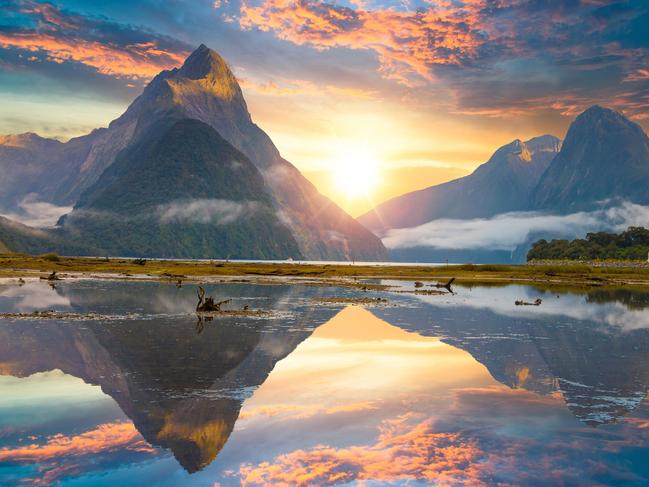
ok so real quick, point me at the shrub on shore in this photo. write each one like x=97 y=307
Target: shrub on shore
x=50 y=256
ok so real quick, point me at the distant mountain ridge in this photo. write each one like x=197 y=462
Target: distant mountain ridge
x=28 y=140
x=604 y=156
x=203 y=89
x=500 y=185
x=603 y=160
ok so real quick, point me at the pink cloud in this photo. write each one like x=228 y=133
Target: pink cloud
x=143 y=60
x=403 y=451
x=60 y=453
x=60 y=36
x=407 y=43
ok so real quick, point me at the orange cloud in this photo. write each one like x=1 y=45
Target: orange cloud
x=49 y=15
x=143 y=60
x=402 y=452
x=638 y=75
x=59 y=36
x=407 y=43
x=106 y=437
x=59 y=455
x=632 y=104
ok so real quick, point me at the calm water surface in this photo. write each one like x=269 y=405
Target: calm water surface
x=448 y=390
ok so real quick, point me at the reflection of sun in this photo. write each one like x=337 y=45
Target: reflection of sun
x=355 y=174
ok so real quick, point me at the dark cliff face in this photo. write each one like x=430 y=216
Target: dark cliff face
x=500 y=185
x=605 y=156
x=182 y=192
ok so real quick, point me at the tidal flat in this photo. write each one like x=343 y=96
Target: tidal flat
x=340 y=274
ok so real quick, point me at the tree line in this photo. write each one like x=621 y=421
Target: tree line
x=632 y=244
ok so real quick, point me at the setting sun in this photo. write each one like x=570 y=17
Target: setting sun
x=356 y=174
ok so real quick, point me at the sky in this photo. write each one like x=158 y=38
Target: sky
x=385 y=96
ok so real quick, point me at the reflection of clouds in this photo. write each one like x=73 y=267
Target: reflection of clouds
x=167 y=302
x=524 y=439
x=61 y=455
x=532 y=441
x=444 y=420
x=106 y=437
x=299 y=411
x=402 y=451
x=471 y=402
x=356 y=385
x=32 y=296
x=500 y=300
x=626 y=319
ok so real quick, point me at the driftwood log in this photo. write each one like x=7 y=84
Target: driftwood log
x=207 y=304
x=51 y=277
x=446 y=285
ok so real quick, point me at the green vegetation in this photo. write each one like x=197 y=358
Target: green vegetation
x=51 y=256
x=632 y=244
x=20 y=265
x=182 y=192
x=16 y=237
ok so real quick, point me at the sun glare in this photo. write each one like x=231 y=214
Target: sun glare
x=356 y=174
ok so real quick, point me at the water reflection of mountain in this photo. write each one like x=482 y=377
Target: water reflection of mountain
x=182 y=390
x=601 y=370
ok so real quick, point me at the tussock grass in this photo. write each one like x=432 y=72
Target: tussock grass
x=50 y=256
x=21 y=265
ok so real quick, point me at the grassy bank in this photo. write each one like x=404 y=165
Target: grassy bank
x=12 y=265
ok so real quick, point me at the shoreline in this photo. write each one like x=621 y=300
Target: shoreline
x=580 y=275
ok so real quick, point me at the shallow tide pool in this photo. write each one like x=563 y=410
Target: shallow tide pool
x=453 y=389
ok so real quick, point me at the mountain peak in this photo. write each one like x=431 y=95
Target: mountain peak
x=520 y=149
x=598 y=115
x=203 y=88
x=597 y=110
x=204 y=73
x=544 y=143
x=525 y=150
x=205 y=63
x=27 y=140
x=599 y=122
x=604 y=156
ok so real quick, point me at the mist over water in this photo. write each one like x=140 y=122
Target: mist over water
x=508 y=231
